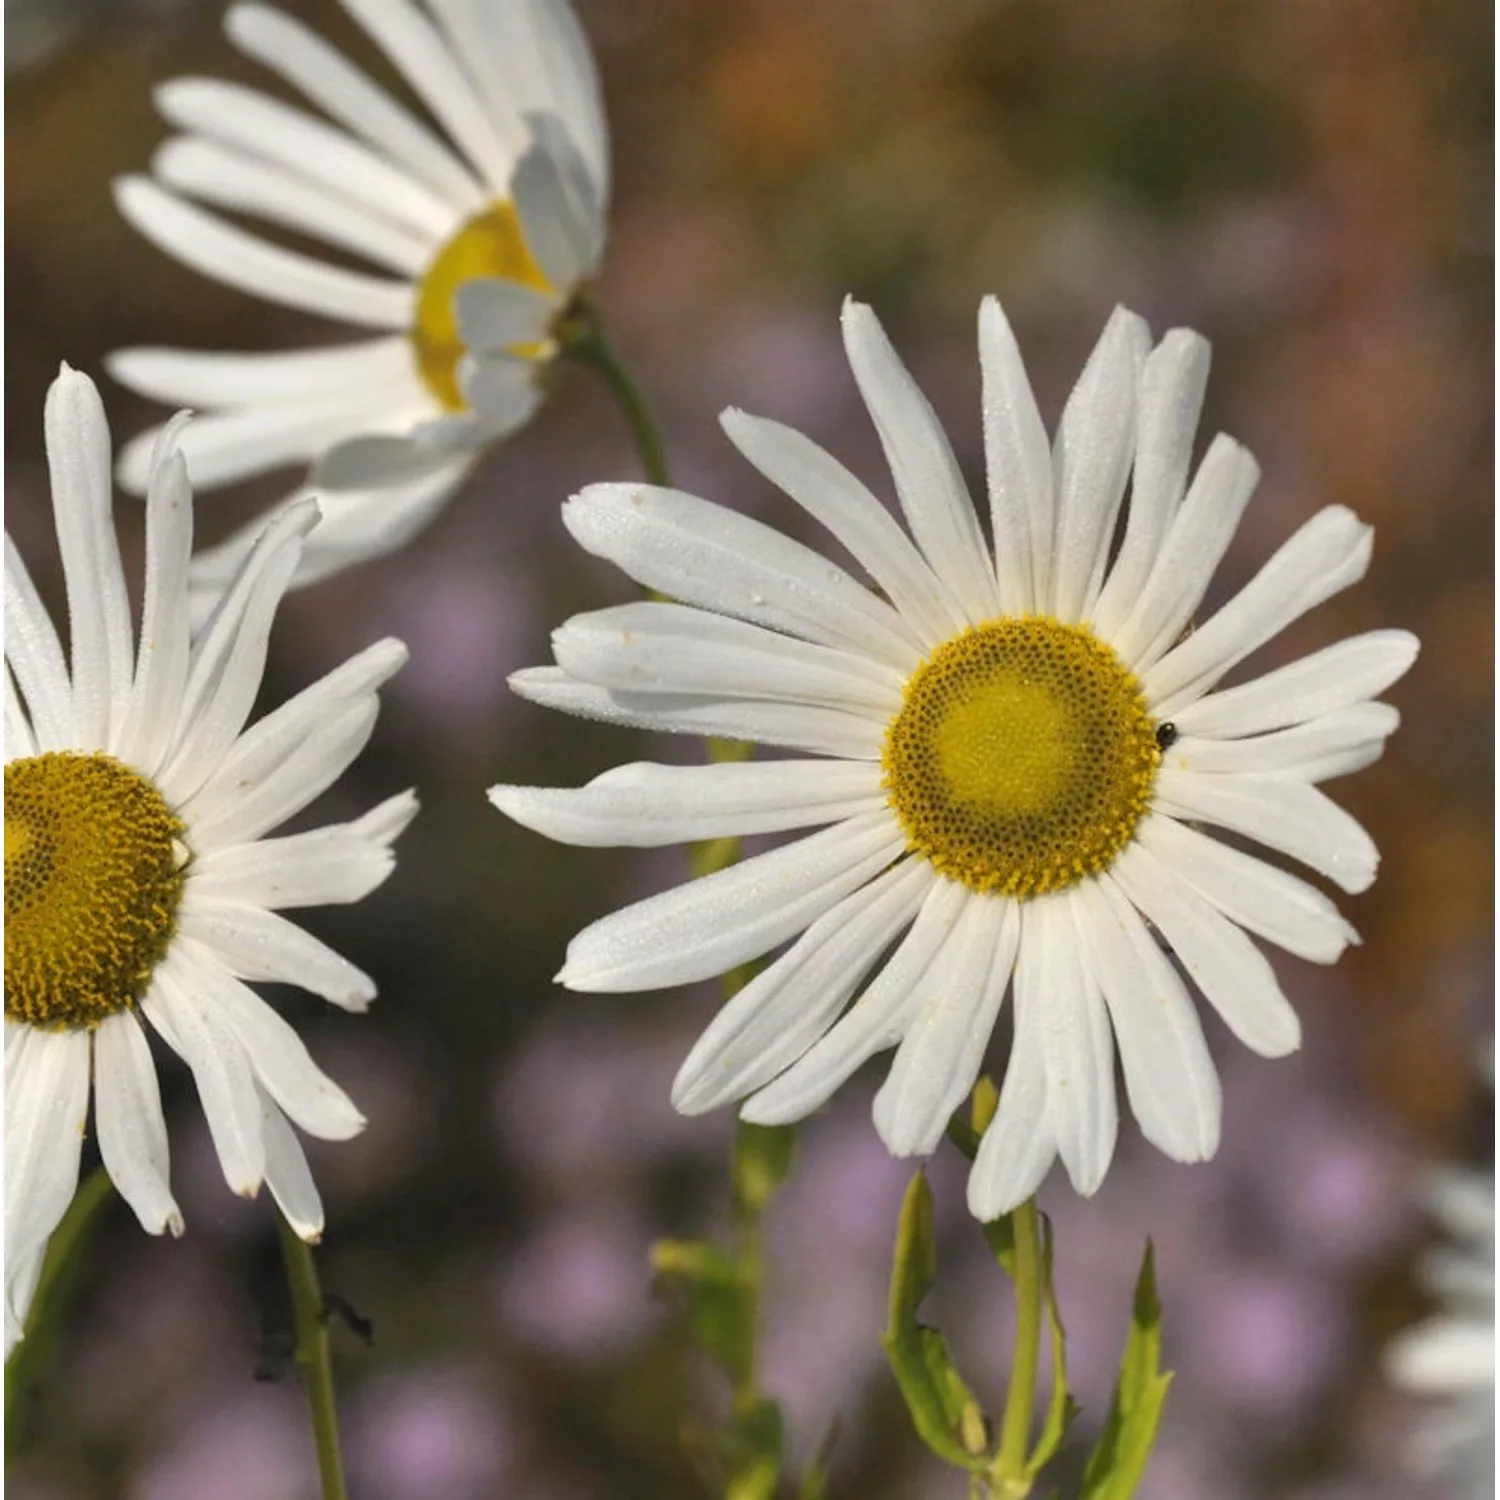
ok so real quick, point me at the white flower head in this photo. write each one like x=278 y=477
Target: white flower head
x=479 y=232
x=1449 y=1357
x=140 y=885
x=1017 y=751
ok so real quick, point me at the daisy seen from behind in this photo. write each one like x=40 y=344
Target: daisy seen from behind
x=475 y=228
x=1011 y=756
x=140 y=886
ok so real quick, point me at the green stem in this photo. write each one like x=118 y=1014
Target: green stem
x=1015 y=1428
x=313 y=1357
x=584 y=341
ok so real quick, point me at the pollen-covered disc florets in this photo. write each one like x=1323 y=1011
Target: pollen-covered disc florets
x=92 y=883
x=490 y=244
x=1022 y=758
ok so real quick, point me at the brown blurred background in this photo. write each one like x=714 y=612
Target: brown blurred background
x=1306 y=184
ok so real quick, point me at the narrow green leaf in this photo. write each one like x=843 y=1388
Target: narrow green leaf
x=753 y=1447
x=762 y=1160
x=693 y=1260
x=983 y=1103
x=961 y=1411
x=1061 y=1409
x=1000 y=1236
x=813 y=1484
x=930 y=1386
x=1117 y=1465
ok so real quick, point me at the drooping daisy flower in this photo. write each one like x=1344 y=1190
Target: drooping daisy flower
x=1450 y=1357
x=139 y=884
x=479 y=232
x=1017 y=751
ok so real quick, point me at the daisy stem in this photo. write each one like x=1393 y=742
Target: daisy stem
x=313 y=1357
x=585 y=341
x=1011 y=1457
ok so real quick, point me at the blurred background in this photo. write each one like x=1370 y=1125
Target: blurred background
x=1309 y=185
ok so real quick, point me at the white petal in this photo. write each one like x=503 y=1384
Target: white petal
x=132 y=1129
x=162 y=666
x=1333 y=745
x=256 y=944
x=1018 y=462
x=1327 y=554
x=191 y=378
x=877 y=1018
x=1260 y=898
x=34 y=655
x=248 y=264
x=324 y=866
x=834 y=498
x=1020 y=1146
x=287 y=1174
x=192 y=1026
x=704 y=555
x=1230 y=970
x=669 y=648
x=103 y=650
x=324 y=157
x=277 y=1054
x=1443 y=1356
x=948 y=1025
x=21 y=1276
x=556 y=219
x=502 y=391
x=1167 y=407
x=1091 y=462
x=795 y=726
x=1076 y=1042
x=775 y=1018
x=711 y=924
x=224 y=176
x=375 y=461
x=1288 y=816
x=1169 y=1076
x=643 y=806
x=494 y=314
x=1189 y=555
x=19 y=739
x=345 y=94
x=46 y=1112
x=418 y=52
x=931 y=488
x=1338 y=676
x=229 y=656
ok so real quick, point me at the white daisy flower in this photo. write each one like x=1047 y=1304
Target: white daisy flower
x=480 y=233
x=1450 y=1357
x=1018 y=750
x=139 y=884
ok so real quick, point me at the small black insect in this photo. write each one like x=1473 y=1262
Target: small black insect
x=1166 y=735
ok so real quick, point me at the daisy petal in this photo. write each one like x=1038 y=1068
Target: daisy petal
x=1173 y=1086
x=948 y=1028
x=1336 y=677
x=1333 y=745
x=1076 y=1041
x=1327 y=554
x=701 y=554
x=34 y=654
x=495 y=315
x=1288 y=816
x=557 y=214
x=931 y=489
x=19 y=739
x=287 y=1174
x=670 y=648
x=46 y=1112
x=1091 y=462
x=775 y=1018
x=1018 y=462
x=374 y=462
x=644 y=806
x=713 y=923
x=1230 y=970
x=795 y=726
x=1258 y=897
x=834 y=498
x=875 y=1021
x=132 y=1129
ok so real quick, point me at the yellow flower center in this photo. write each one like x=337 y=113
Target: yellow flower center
x=92 y=884
x=489 y=244
x=1022 y=757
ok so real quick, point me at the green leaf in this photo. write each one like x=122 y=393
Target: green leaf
x=932 y=1389
x=1000 y=1236
x=814 y=1482
x=1061 y=1409
x=753 y=1447
x=1117 y=1465
x=762 y=1161
x=720 y=1311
